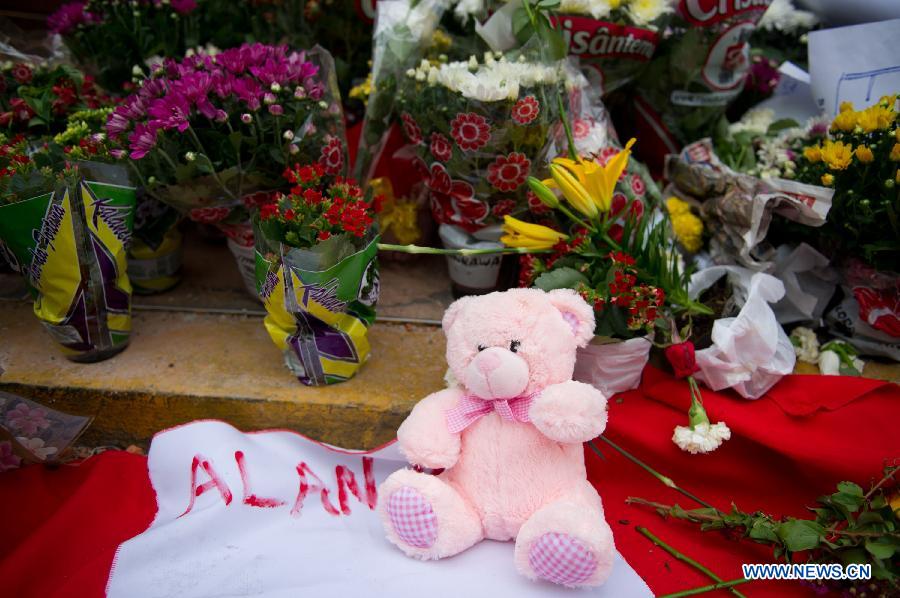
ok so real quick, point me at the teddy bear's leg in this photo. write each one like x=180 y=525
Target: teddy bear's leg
x=567 y=542
x=425 y=517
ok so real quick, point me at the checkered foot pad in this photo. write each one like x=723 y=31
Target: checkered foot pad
x=413 y=519
x=562 y=559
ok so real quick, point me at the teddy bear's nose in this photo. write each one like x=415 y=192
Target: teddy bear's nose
x=488 y=361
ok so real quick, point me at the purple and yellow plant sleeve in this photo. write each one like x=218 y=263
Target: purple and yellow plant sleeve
x=70 y=245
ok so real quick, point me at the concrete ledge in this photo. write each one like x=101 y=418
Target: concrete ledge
x=186 y=366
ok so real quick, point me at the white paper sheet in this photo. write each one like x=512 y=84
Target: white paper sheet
x=242 y=550
x=858 y=64
x=793 y=97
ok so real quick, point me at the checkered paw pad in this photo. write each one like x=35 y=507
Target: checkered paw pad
x=412 y=517
x=562 y=559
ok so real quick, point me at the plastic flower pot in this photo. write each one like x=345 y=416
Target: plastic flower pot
x=472 y=274
x=70 y=245
x=155 y=254
x=612 y=365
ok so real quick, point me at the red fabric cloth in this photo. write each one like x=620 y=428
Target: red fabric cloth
x=60 y=528
x=787 y=448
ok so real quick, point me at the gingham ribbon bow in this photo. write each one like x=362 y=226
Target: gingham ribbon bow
x=471 y=408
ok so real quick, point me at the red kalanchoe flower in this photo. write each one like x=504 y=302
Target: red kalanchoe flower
x=470 y=131
x=440 y=147
x=681 y=357
x=508 y=173
x=411 y=129
x=526 y=110
x=267 y=211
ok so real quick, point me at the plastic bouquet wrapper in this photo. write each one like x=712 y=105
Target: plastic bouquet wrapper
x=404 y=30
x=869 y=315
x=211 y=134
x=613 y=367
x=71 y=245
x=750 y=352
x=155 y=253
x=738 y=208
x=32 y=433
x=317 y=274
x=613 y=41
x=698 y=69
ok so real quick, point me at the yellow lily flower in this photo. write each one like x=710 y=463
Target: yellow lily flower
x=573 y=190
x=529 y=236
x=599 y=181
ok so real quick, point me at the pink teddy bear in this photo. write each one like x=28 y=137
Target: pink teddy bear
x=509 y=439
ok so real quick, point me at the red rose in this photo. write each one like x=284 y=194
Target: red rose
x=507 y=173
x=681 y=357
x=526 y=110
x=332 y=158
x=411 y=129
x=440 y=147
x=470 y=131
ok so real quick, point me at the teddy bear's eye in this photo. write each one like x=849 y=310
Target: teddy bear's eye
x=481 y=347
x=514 y=346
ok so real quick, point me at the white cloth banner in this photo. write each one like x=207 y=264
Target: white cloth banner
x=276 y=514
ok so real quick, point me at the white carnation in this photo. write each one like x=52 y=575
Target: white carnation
x=784 y=17
x=755 y=121
x=702 y=438
x=806 y=345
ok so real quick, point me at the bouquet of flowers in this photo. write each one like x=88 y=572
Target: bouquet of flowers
x=211 y=134
x=478 y=129
x=67 y=234
x=109 y=38
x=697 y=70
x=36 y=99
x=613 y=40
x=317 y=273
x=621 y=258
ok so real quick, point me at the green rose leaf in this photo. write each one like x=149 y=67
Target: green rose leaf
x=800 y=534
x=881 y=548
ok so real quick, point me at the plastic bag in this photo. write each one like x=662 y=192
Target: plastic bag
x=750 y=352
x=613 y=367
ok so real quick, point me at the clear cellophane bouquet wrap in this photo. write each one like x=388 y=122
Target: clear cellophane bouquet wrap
x=697 y=70
x=65 y=228
x=613 y=40
x=317 y=273
x=211 y=135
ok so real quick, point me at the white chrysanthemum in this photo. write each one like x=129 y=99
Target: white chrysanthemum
x=645 y=12
x=497 y=80
x=596 y=8
x=806 y=344
x=702 y=438
x=783 y=16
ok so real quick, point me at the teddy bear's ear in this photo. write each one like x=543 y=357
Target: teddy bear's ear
x=576 y=312
x=453 y=312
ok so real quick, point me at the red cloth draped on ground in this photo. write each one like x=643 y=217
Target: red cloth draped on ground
x=787 y=448
x=60 y=528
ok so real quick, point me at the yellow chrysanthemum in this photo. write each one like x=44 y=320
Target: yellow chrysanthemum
x=813 y=153
x=864 y=154
x=837 y=154
x=530 y=236
x=846 y=107
x=845 y=121
x=363 y=90
x=828 y=179
x=874 y=118
x=687 y=227
x=895 y=153
x=440 y=41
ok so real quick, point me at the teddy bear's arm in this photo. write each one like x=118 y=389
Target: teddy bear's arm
x=569 y=412
x=423 y=437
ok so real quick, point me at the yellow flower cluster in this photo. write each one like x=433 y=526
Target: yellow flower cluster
x=877 y=117
x=363 y=90
x=687 y=227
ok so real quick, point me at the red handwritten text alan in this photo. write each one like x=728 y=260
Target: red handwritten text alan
x=308 y=482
